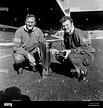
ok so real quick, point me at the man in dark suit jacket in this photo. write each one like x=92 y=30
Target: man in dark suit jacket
x=78 y=48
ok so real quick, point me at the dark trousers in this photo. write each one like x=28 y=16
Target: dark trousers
x=78 y=61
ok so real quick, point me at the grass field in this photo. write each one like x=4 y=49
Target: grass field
x=58 y=87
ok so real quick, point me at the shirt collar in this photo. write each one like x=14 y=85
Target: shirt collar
x=72 y=30
x=27 y=29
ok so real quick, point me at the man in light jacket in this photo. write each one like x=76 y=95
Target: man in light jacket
x=26 y=39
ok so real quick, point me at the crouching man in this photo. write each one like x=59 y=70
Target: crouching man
x=78 y=50
x=26 y=39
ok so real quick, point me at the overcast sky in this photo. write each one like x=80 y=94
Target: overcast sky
x=84 y=4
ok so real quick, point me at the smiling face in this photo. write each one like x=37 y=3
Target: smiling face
x=67 y=26
x=30 y=23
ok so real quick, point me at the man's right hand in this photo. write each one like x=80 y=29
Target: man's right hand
x=31 y=58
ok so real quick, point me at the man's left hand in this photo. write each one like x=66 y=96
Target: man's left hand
x=67 y=53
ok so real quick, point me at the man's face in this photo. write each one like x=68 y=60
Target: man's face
x=30 y=23
x=67 y=26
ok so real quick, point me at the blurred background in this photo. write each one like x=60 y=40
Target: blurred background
x=47 y=12
x=87 y=14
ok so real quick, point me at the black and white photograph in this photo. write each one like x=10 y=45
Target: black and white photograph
x=51 y=50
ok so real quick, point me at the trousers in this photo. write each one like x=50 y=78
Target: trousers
x=77 y=61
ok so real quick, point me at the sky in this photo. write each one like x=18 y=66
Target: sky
x=83 y=4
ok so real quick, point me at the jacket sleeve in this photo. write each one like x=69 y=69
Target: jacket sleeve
x=84 y=43
x=41 y=37
x=17 y=39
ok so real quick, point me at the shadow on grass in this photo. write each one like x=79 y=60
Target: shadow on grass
x=62 y=69
x=13 y=93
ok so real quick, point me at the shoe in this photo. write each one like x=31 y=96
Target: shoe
x=74 y=73
x=82 y=75
x=20 y=71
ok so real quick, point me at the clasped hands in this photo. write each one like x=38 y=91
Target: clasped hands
x=53 y=51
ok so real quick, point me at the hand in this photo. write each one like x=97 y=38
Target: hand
x=54 y=51
x=31 y=58
x=67 y=53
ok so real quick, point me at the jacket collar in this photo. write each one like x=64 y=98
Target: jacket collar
x=72 y=31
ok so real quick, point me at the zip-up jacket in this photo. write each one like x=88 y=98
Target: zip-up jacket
x=78 y=42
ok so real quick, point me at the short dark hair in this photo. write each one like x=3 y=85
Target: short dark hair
x=30 y=15
x=64 y=18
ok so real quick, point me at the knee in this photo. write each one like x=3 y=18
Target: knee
x=71 y=58
x=89 y=61
x=18 y=58
x=92 y=58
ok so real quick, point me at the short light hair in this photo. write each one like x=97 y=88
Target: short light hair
x=29 y=16
x=64 y=18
